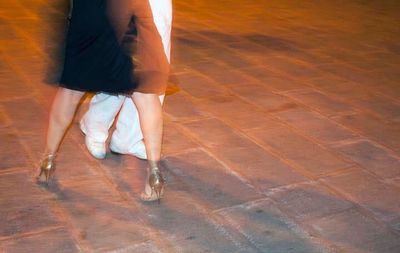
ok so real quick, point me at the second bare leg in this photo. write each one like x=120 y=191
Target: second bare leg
x=151 y=123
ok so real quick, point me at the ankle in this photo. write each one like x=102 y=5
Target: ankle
x=49 y=156
x=153 y=164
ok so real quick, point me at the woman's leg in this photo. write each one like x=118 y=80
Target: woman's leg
x=61 y=115
x=151 y=123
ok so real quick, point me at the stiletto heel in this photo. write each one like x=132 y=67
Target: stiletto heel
x=156 y=183
x=47 y=169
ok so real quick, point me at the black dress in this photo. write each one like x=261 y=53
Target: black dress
x=96 y=58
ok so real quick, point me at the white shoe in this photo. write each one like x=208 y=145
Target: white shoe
x=96 y=148
x=138 y=150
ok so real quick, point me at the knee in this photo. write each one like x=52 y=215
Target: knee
x=145 y=97
x=146 y=100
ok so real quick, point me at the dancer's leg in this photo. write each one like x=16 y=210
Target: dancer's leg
x=98 y=119
x=162 y=16
x=127 y=133
x=127 y=137
x=151 y=122
x=101 y=113
x=61 y=115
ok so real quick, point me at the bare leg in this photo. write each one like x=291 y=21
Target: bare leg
x=151 y=123
x=61 y=115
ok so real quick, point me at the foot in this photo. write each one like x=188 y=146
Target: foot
x=138 y=150
x=47 y=168
x=154 y=188
x=148 y=195
x=96 y=148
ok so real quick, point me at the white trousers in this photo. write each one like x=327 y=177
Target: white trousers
x=104 y=108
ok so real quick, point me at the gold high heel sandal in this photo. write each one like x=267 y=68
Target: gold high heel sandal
x=156 y=183
x=47 y=169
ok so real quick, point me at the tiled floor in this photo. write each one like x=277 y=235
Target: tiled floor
x=283 y=137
